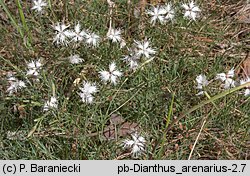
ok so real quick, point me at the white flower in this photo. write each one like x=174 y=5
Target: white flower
x=10 y=77
x=78 y=34
x=122 y=43
x=247 y=91
x=61 y=34
x=16 y=135
x=137 y=145
x=34 y=67
x=38 y=5
x=157 y=13
x=92 y=39
x=132 y=60
x=227 y=79
x=50 y=104
x=114 y=35
x=75 y=59
x=15 y=85
x=191 y=10
x=202 y=82
x=223 y=76
x=133 y=65
x=143 y=48
x=169 y=12
x=229 y=83
x=110 y=75
x=87 y=92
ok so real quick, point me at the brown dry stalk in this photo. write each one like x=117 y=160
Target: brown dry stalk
x=190 y=155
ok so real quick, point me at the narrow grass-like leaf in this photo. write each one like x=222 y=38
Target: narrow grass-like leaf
x=12 y=19
x=211 y=100
x=38 y=123
x=170 y=112
x=216 y=97
x=20 y=9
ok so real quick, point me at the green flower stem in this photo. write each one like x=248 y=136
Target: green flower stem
x=208 y=96
x=211 y=100
x=170 y=113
